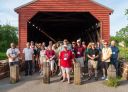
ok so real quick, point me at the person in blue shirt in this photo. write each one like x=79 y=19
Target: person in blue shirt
x=114 y=56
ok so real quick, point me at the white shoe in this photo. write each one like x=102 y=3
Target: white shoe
x=41 y=73
x=103 y=78
x=106 y=79
x=59 y=74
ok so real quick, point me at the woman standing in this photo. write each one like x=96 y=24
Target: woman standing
x=50 y=55
x=42 y=58
x=66 y=57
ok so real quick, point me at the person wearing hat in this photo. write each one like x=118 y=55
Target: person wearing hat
x=66 y=58
x=79 y=56
x=61 y=48
x=106 y=55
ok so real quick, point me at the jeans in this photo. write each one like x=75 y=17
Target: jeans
x=28 y=67
x=116 y=65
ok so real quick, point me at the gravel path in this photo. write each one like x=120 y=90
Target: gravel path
x=34 y=84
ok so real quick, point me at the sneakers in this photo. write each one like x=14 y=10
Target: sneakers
x=103 y=77
x=59 y=74
x=41 y=73
x=106 y=79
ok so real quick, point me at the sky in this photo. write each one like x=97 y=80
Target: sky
x=118 y=19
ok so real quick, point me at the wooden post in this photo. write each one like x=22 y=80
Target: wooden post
x=111 y=72
x=14 y=74
x=77 y=74
x=125 y=71
x=46 y=72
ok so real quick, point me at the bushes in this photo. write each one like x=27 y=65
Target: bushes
x=3 y=56
x=123 y=54
x=112 y=82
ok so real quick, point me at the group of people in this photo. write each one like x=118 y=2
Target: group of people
x=63 y=55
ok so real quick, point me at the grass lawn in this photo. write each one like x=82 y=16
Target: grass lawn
x=3 y=56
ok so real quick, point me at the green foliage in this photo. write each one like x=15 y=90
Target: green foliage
x=112 y=82
x=123 y=54
x=3 y=56
x=126 y=12
x=8 y=34
x=117 y=39
x=121 y=35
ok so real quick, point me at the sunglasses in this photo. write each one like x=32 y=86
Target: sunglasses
x=105 y=44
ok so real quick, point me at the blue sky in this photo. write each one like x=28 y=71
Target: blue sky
x=117 y=20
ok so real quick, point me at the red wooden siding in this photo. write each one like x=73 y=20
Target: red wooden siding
x=28 y=11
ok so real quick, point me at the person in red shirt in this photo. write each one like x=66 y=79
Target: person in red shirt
x=50 y=56
x=66 y=58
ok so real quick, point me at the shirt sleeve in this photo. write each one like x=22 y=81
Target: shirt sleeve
x=53 y=52
x=118 y=50
x=7 y=53
x=110 y=51
x=18 y=51
x=60 y=55
x=72 y=55
x=32 y=51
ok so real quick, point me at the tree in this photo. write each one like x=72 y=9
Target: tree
x=122 y=34
x=8 y=34
x=126 y=12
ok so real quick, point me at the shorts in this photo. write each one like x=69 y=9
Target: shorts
x=81 y=61
x=105 y=65
x=52 y=62
x=65 y=70
x=42 y=59
x=92 y=63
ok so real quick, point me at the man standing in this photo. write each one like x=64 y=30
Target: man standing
x=114 y=57
x=28 y=56
x=93 y=56
x=106 y=55
x=80 y=55
x=13 y=55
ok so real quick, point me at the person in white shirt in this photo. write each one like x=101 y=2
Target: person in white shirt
x=13 y=55
x=28 y=56
x=106 y=55
x=42 y=58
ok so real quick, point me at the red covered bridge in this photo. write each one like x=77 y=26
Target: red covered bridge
x=44 y=20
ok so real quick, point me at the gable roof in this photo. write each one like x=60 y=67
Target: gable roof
x=33 y=1
x=24 y=5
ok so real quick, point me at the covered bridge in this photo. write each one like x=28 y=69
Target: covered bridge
x=44 y=20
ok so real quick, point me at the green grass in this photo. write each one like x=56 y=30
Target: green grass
x=3 y=56
x=112 y=82
x=123 y=54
